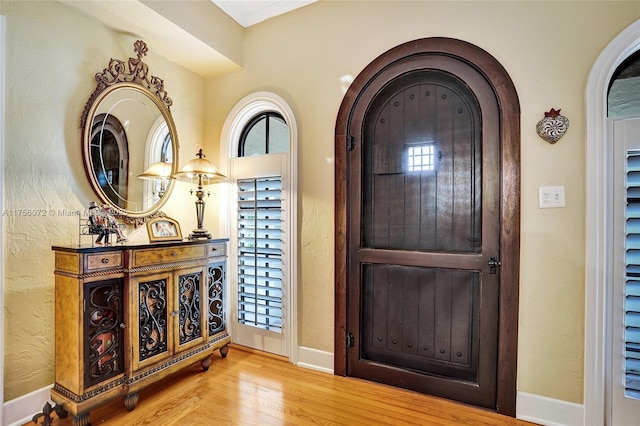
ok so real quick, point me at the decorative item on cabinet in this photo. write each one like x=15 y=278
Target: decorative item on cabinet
x=163 y=229
x=127 y=316
x=553 y=126
x=101 y=222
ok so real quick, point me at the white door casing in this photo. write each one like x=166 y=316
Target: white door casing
x=599 y=206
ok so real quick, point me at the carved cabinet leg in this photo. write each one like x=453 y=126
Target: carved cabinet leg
x=205 y=363
x=130 y=401
x=224 y=351
x=81 y=420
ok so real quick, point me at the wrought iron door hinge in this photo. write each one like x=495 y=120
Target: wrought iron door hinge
x=350 y=340
x=351 y=143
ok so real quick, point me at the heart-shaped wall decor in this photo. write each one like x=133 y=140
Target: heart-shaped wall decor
x=553 y=126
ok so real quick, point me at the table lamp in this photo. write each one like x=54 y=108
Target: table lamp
x=206 y=173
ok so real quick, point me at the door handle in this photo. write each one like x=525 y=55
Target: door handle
x=493 y=264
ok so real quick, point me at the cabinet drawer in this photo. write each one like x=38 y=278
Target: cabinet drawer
x=168 y=255
x=96 y=262
x=217 y=249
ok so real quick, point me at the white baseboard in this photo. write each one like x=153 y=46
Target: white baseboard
x=315 y=359
x=547 y=411
x=21 y=410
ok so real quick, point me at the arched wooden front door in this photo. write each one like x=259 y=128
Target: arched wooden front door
x=427 y=224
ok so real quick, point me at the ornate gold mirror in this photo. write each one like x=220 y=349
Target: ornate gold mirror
x=129 y=139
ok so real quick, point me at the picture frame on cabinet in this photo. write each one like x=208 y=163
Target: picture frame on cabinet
x=163 y=229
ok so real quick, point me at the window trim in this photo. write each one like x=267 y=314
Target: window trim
x=241 y=114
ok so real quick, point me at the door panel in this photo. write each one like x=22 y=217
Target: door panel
x=424 y=215
x=422 y=319
x=437 y=208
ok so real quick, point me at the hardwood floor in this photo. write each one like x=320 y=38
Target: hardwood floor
x=249 y=388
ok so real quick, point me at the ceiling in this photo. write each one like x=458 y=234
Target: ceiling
x=182 y=32
x=250 y=12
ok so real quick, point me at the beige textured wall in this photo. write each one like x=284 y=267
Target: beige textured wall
x=548 y=48
x=52 y=56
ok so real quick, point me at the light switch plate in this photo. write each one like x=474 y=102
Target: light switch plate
x=551 y=197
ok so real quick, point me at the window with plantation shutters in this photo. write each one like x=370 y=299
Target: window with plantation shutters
x=260 y=252
x=262 y=208
x=632 y=278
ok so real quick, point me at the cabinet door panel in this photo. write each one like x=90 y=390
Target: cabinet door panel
x=151 y=319
x=189 y=309
x=215 y=302
x=104 y=338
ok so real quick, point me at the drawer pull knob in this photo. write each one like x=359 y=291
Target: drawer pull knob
x=122 y=326
x=105 y=260
x=174 y=254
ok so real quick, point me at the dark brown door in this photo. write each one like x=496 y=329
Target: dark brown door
x=424 y=220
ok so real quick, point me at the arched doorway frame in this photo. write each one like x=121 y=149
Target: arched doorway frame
x=599 y=211
x=245 y=110
x=509 y=114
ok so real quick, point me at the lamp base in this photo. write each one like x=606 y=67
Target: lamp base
x=199 y=233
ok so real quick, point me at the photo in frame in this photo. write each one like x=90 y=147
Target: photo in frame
x=163 y=229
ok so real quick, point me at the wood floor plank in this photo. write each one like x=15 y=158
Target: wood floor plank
x=249 y=388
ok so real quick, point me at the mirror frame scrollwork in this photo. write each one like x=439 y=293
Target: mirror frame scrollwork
x=133 y=75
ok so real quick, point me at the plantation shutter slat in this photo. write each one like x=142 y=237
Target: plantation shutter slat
x=260 y=252
x=632 y=278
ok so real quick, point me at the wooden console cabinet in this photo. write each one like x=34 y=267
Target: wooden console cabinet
x=129 y=315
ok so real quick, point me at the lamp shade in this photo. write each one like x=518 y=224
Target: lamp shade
x=200 y=168
x=157 y=170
